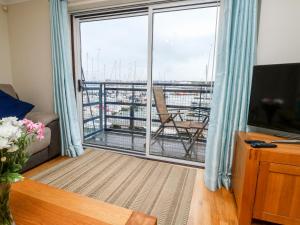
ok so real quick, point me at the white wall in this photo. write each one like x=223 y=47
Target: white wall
x=5 y=65
x=29 y=31
x=279 y=32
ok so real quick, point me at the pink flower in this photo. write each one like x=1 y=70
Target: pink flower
x=37 y=129
x=30 y=126
x=40 y=131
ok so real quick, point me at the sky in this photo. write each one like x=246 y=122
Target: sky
x=116 y=49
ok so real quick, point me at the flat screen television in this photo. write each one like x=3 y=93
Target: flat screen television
x=275 y=97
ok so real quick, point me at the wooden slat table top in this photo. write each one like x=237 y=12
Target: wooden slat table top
x=34 y=203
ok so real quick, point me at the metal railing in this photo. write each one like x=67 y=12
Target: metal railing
x=121 y=106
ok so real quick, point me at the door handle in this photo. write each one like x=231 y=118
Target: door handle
x=80 y=85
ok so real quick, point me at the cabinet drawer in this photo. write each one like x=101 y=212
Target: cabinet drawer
x=278 y=193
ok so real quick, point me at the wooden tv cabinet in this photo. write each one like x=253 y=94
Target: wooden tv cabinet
x=266 y=181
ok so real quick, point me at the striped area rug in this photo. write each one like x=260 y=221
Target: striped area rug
x=160 y=189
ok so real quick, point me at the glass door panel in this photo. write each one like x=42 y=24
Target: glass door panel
x=114 y=74
x=182 y=81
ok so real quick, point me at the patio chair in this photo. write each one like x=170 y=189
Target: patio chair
x=192 y=129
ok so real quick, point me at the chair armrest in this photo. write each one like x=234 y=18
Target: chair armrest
x=172 y=116
x=174 y=113
x=44 y=118
x=173 y=109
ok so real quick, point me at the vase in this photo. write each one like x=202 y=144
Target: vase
x=5 y=213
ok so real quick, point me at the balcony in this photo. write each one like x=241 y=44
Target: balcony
x=115 y=116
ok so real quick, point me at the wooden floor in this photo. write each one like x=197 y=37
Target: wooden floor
x=207 y=208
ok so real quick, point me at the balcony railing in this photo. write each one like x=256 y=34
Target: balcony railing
x=122 y=106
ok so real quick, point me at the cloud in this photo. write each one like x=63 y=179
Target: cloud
x=194 y=23
x=183 y=42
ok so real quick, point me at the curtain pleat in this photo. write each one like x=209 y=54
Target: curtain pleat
x=64 y=94
x=236 y=54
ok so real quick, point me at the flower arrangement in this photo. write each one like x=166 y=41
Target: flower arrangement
x=15 y=136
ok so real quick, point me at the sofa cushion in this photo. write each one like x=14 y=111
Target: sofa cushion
x=37 y=146
x=10 y=106
x=8 y=89
x=44 y=118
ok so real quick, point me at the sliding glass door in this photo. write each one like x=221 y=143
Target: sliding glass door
x=182 y=80
x=140 y=67
x=114 y=78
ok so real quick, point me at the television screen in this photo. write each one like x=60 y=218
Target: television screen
x=275 y=97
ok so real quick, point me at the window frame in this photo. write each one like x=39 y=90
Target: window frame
x=125 y=11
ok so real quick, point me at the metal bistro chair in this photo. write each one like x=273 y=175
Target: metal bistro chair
x=192 y=129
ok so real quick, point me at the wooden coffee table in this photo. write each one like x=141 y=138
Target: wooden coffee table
x=34 y=203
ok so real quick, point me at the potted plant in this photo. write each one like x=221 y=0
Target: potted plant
x=15 y=136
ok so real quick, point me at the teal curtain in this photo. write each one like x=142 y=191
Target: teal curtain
x=64 y=94
x=235 y=57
